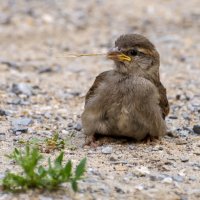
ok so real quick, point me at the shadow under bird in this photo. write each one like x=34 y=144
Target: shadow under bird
x=129 y=100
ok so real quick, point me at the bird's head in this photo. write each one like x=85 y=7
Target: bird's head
x=133 y=53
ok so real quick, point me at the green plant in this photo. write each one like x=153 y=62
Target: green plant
x=54 y=143
x=37 y=176
x=46 y=145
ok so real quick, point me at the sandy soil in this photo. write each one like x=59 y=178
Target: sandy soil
x=38 y=82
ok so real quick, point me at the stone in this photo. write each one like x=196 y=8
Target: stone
x=139 y=187
x=181 y=142
x=167 y=180
x=45 y=69
x=173 y=117
x=2 y=175
x=196 y=129
x=78 y=127
x=106 y=150
x=41 y=197
x=184 y=133
x=47 y=115
x=18 y=130
x=3 y=112
x=70 y=125
x=197 y=153
x=192 y=178
x=112 y=158
x=2 y=136
x=157 y=177
x=141 y=171
x=12 y=65
x=186 y=116
x=20 y=125
x=184 y=159
x=178 y=178
x=22 y=88
x=22 y=122
x=119 y=190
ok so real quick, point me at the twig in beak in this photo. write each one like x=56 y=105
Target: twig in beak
x=81 y=55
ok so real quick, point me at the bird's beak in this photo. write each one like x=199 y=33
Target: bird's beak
x=115 y=54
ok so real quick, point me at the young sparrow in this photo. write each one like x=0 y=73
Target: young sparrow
x=129 y=100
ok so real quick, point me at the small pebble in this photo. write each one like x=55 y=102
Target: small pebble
x=65 y=132
x=167 y=180
x=2 y=136
x=20 y=132
x=178 y=178
x=3 y=112
x=181 y=142
x=119 y=190
x=70 y=124
x=183 y=133
x=157 y=177
x=106 y=150
x=196 y=129
x=173 y=117
x=112 y=158
x=139 y=187
x=12 y=65
x=22 y=88
x=192 y=178
x=184 y=159
x=22 y=122
x=141 y=171
x=2 y=175
x=78 y=127
x=197 y=153
x=45 y=198
x=45 y=69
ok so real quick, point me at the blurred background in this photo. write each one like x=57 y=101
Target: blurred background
x=35 y=35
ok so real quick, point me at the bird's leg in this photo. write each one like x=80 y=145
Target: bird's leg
x=91 y=140
x=150 y=139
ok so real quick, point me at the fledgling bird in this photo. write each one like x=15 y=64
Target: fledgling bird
x=129 y=100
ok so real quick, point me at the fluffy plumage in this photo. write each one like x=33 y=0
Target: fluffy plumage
x=129 y=100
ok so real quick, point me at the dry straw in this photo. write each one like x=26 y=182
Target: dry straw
x=66 y=55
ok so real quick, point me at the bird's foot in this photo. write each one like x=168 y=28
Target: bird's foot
x=91 y=141
x=151 y=140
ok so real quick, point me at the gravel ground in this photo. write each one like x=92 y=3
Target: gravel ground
x=42 y=92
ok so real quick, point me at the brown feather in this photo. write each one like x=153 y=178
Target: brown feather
x=161 y=89
x=163 y=99
x=100 y=78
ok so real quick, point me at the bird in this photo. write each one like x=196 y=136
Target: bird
x=128 y=100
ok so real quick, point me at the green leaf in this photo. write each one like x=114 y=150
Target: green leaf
x=59 y=159
x=27 y=150
x=12 y=181
x=67 y=170
x=41 y=171
x=55 y=137
x=49 y=163
x=16 y=151
x=80 y=169
x=74 y=185
x=37 y=176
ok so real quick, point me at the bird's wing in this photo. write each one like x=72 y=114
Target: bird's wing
x=163 y=100
x=162 y=92
x=100 y=78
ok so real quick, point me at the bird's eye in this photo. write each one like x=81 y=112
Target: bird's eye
x=133 y=52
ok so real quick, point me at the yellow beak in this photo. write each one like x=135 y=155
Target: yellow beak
x=118 y=56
